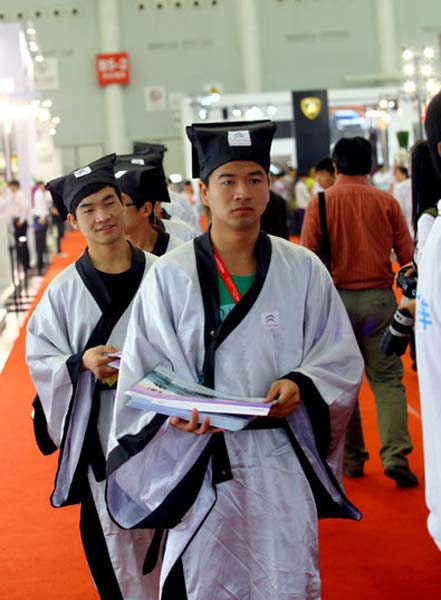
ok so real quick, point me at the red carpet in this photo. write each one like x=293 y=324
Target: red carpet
x=387 y=556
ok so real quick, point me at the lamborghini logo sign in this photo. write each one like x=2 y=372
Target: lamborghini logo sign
x=311 y=107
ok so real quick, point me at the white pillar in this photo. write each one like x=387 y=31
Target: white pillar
x=251 y=53
x=386 y=35
x=117 y=140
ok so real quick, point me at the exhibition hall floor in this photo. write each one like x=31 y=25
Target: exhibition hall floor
x=387 y=556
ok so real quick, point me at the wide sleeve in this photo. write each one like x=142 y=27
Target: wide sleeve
x=332 y=366
x=53 y=363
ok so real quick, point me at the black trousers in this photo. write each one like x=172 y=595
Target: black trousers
x=96 y=550
x=59 y=224
x=21 y=243
x=40 y=243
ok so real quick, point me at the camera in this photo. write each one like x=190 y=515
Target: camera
x=396 y=336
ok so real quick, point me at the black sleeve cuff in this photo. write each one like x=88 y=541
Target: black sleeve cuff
x=42 y=437
x=74 y=367
x=317 y=409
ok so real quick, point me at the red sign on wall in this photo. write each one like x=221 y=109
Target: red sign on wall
x=112 y=68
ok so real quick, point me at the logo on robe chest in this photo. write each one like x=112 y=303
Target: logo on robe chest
x=311 y=107
x=270 y=320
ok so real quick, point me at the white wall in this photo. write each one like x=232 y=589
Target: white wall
x=303 y=44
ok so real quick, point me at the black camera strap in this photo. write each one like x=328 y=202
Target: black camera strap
x=326 y=241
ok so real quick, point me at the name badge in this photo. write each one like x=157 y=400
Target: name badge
x=82 y=172
x=239 y=138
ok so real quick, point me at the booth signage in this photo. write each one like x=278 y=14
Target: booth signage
x=311 y=126
x=112 y=68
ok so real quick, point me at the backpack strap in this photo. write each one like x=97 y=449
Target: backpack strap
x=326 y=241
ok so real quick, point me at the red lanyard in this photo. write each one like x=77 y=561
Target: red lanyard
x=226 y=277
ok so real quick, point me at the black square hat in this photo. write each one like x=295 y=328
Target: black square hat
x=214 y=144
x=66 y=189
x=153 y=152
x=142 y=181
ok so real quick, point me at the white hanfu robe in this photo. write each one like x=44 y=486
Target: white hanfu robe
x=165 y=242
x=181 y=209
x=240 y=508
x=70 y=414
x=428 y=346
x=178 y=228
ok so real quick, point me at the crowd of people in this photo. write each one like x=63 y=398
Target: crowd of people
x=21 y=216
x=172 y=507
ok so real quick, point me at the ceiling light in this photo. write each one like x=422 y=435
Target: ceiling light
x=428 y=52
x=426 y=70
x=409 y=87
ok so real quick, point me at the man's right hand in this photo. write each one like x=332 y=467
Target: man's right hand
x=96 y=360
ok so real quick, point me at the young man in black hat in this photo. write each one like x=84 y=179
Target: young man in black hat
x=142 y=186
x=81 y=319
x=253 y=315
x=179 y=219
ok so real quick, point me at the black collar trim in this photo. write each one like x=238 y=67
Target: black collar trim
x=215 y=330
x=161 y=243
x=95 y=285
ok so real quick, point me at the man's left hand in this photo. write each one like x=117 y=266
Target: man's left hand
x=287 y=394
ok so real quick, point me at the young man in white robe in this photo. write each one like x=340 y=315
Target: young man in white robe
x=142 y=186
x=428 y=339
x=240 y=509
x=81 y=318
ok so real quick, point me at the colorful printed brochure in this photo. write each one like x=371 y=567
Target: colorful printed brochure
x=162 y=392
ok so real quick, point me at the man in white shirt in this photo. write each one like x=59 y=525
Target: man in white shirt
x=41 y=212
x=381 y=178
x=302 y=196
x=17 y=211
x=402 y=191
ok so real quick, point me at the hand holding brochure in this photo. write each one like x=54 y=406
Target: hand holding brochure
x=116 y=363
x=161 y=391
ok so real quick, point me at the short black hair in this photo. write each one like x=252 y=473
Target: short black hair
x=353 y=156
x=14 y=182
x=426 y=183
x=325 y=164
x=432 y=125
x=90 y=189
